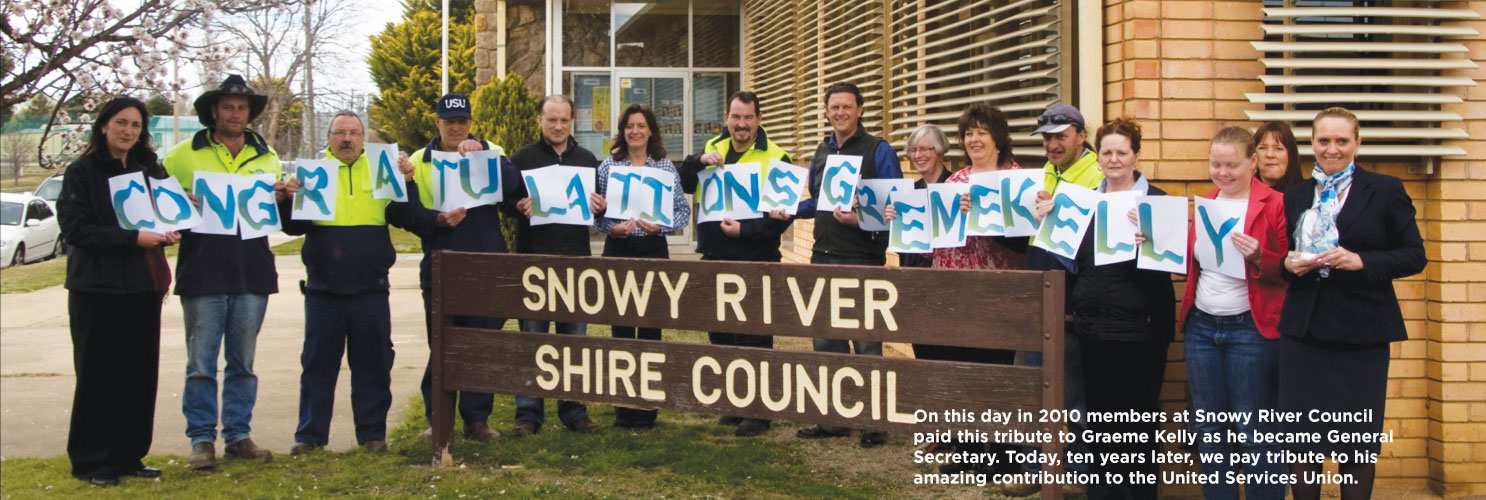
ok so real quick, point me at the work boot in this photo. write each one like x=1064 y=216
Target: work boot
x=751 y=427
x=247 y=450
x=524 y=428
x=480 y=432
x=300 y=448
x=587 y=426
x=203 y=456
x=375 y=446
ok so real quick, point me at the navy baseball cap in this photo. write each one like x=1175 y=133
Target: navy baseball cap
x=453 y=105
x=1057 y=118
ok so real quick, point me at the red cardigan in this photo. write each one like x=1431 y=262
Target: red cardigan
x=1265 y=221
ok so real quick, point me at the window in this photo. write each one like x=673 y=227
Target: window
x=1389 y=65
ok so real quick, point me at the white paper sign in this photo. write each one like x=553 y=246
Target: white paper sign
x=944 y=211
x=784 y=187
x=741 y=184
x=1163 y=221
x=872 y=200
x=838 y=182
x=173 y=210
x=711 y=197
x=985 y=218
x=383 y=174
x=1019 y=189
x=480 y=178
x=1063 y=229
x=1114 y=235
x=640 y=193
x=131 y=200
x=213 y=190
x=444 y=174
x=1216 y=223
x=911 y=228
x=559 y=195
x=316 y=197
x=257 y=209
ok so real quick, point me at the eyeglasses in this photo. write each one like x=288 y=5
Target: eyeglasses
x=346 y=133
x=915 y=151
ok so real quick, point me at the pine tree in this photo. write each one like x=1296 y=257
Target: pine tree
x=404 y=64
x=506 y=113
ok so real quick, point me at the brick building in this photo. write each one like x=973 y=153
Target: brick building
x=1412 y=70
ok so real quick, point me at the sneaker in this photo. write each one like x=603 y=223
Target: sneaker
x=301 y=448
x=587 y=426
x=247 y=450
x=524 y=428
x=375 y=446
x=729 y=420
x=821 y=431
x=872 y=439
x=751 y=427
x=203 y=456
x=481 y=432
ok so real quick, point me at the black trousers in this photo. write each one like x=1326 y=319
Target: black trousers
x=1123 y=376
x=474 y=407
x=116 y=354
x=649 y=247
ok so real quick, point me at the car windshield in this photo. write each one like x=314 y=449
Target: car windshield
x=50 y=190
x=10 y=213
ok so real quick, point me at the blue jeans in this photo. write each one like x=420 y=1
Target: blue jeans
x=529 y=409
x=1230 y=367
x=1073 y=396
x=359 y=327
x=214 y=324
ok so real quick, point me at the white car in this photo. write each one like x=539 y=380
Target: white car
x=28 y=229
x=49 y=190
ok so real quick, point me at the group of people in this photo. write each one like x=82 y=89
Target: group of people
x=1301 y=331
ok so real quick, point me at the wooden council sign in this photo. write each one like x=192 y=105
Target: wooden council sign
x=1020 y=310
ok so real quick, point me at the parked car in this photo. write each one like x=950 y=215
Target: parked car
x=28 y=229
x=49 y=190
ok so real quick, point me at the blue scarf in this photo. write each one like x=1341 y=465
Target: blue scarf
x=1328 y=206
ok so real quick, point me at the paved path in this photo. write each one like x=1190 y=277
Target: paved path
x=37 y=377
x=36 y=367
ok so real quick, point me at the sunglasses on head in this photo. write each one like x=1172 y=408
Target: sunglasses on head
x=1055 y=120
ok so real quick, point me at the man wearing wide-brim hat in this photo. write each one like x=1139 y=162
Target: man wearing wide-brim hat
x=223 y=280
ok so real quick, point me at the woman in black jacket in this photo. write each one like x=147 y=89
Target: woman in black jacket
x=116 y=282
x=1357 y=235
x=1124 y=318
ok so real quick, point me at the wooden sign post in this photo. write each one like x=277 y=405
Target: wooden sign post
x=1021 y=310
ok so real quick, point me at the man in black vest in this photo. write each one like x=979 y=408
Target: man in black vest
x=838 y=239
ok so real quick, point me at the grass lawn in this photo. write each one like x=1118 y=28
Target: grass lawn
x=30 y=177
x=686 y=455
x=32 y=277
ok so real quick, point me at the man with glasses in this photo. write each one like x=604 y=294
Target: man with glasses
x=345 y=299
x=475 y=229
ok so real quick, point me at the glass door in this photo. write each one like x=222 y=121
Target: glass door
x=666 y=97
x=593 y=126
x=665 y=93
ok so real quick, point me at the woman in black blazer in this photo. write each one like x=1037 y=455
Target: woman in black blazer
x=1340 y=311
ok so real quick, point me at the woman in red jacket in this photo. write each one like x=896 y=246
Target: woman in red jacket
x=1229 y=324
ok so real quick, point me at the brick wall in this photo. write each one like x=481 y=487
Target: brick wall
x=1454 y=229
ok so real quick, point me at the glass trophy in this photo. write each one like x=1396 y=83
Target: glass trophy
x=1314 y=235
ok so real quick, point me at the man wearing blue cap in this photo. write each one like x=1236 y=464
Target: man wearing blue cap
x=476 y=229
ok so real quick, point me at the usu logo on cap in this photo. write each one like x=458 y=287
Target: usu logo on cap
x=453 y=105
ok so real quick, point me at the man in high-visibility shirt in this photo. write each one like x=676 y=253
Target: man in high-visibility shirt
x=753 y=240
x=346 y=307
x=223 y=280
x=475 y=229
